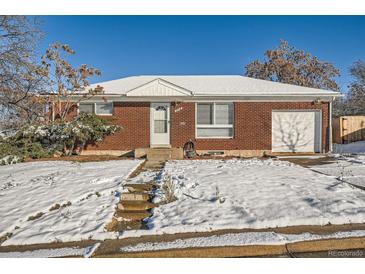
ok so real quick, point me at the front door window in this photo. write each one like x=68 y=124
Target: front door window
x=160 y=123
x=160 y=119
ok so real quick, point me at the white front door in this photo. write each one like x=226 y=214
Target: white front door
x=296 y=131
x=160 y=124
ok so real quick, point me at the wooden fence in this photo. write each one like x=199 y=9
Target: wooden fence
x=348 y=129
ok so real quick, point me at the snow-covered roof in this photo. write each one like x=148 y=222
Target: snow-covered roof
x=209 y=85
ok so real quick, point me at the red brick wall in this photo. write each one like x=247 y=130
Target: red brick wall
x=134 y=118
x=59 y=109
x=252 y=125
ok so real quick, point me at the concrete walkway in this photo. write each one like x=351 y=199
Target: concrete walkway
x=111 y=248
x=321 y=248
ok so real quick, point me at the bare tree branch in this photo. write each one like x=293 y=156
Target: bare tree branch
x=287 y=64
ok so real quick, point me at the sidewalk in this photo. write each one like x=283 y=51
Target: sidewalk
x=314 y=248
x=322 y=248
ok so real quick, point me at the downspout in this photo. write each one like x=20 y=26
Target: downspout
x=53 y=112
x=330 y=125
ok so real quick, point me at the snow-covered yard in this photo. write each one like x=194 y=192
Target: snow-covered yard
x=355 y=147
x=233 y=194
x=350 y=169
x=44 y=202
x=349 y=165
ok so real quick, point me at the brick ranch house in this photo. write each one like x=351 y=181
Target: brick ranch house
x=234 y=115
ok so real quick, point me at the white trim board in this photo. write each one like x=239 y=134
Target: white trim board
x=119 y=98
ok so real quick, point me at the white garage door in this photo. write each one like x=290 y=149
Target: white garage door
x=296 y=131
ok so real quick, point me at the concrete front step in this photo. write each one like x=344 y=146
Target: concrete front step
x=159 y=158
x=135 y=205
x=135 y=196
x=161 y=154
x=130 y=225
x=132 y=215
x=140 y=187
x=154 y=164
x=117 y=226
x=164 y=153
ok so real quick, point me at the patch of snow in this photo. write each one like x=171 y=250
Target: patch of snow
x=234 y=194
x=239 y=239
x=45 y=253
x=9 y=160
x=143 y=177
x=84 y=191
x=355 y=147
x=89 y=251
x=302 y=156
x=7 y=133
x=350 y=169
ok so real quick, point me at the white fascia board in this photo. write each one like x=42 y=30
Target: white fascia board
x=203 y=97
x=206 y=98
x=326 y=94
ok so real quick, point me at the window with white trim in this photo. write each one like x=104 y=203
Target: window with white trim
x=100 y=108
x=86 y=107
x=214 y=120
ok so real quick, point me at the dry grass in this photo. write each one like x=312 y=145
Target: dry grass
x=169 y=188
x=80 y=158
x=55 y=207
x=58 y=206
x=5 y=237
x=66 y=204
x=35 y=217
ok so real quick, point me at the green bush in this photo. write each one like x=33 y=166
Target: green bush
x=37 y=151
x=39 y=141
x=8 y=149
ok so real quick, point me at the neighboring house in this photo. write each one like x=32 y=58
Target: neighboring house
x=233 y=114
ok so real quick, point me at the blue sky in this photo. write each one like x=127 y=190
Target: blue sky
x=134 y=45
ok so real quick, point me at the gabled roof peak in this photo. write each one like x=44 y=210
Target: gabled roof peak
x=159 y=87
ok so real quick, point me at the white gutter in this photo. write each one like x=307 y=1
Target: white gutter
x=313 y=95
x=335 y=94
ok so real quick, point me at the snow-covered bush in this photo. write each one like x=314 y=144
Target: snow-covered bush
x=67 y=136
x=39 y=141
x=9 y=160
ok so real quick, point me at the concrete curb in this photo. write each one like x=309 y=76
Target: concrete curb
x=248 y=251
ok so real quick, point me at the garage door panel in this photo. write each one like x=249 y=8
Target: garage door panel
x=294 y=131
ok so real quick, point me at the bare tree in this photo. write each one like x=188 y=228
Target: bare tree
x=286 y=64
x=340 y=107
x=67 y=82
x=353 y=103
x=21 y=79
x=356 y=95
